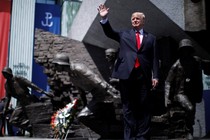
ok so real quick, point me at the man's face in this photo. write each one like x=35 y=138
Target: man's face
x=61 y=68
x=186 y=52
x=7 y=76
x=110 y=56
x=137 y=20
x=58 y=67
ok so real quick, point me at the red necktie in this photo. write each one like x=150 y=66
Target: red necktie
x=138 y=44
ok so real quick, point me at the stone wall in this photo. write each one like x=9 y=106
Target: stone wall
x=48 y=44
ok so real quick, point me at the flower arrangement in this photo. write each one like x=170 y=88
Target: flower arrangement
x=62 y=119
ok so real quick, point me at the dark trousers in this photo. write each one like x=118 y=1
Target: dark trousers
x=136 y=107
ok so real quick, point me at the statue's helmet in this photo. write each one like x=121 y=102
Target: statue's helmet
x=110 y=50
x=7 y=70
x=186 y=44
x=61 y=59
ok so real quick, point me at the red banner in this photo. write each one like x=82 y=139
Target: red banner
x=5 y=8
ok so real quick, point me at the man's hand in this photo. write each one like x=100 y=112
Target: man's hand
x=103 y=11
x=154 y=83
x=115 y=93
x=48 y=94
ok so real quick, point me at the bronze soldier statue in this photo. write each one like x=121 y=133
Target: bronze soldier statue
x=86 y=80
x=18 y=87
x=111 y=57
x=183 y=85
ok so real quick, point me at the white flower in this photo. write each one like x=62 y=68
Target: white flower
x=61 y=120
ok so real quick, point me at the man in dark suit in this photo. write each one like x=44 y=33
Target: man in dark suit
x=137 y=70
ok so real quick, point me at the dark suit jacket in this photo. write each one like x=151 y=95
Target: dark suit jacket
x=147 y=54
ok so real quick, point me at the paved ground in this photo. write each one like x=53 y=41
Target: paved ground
x=27 y=138
x=22 y=138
